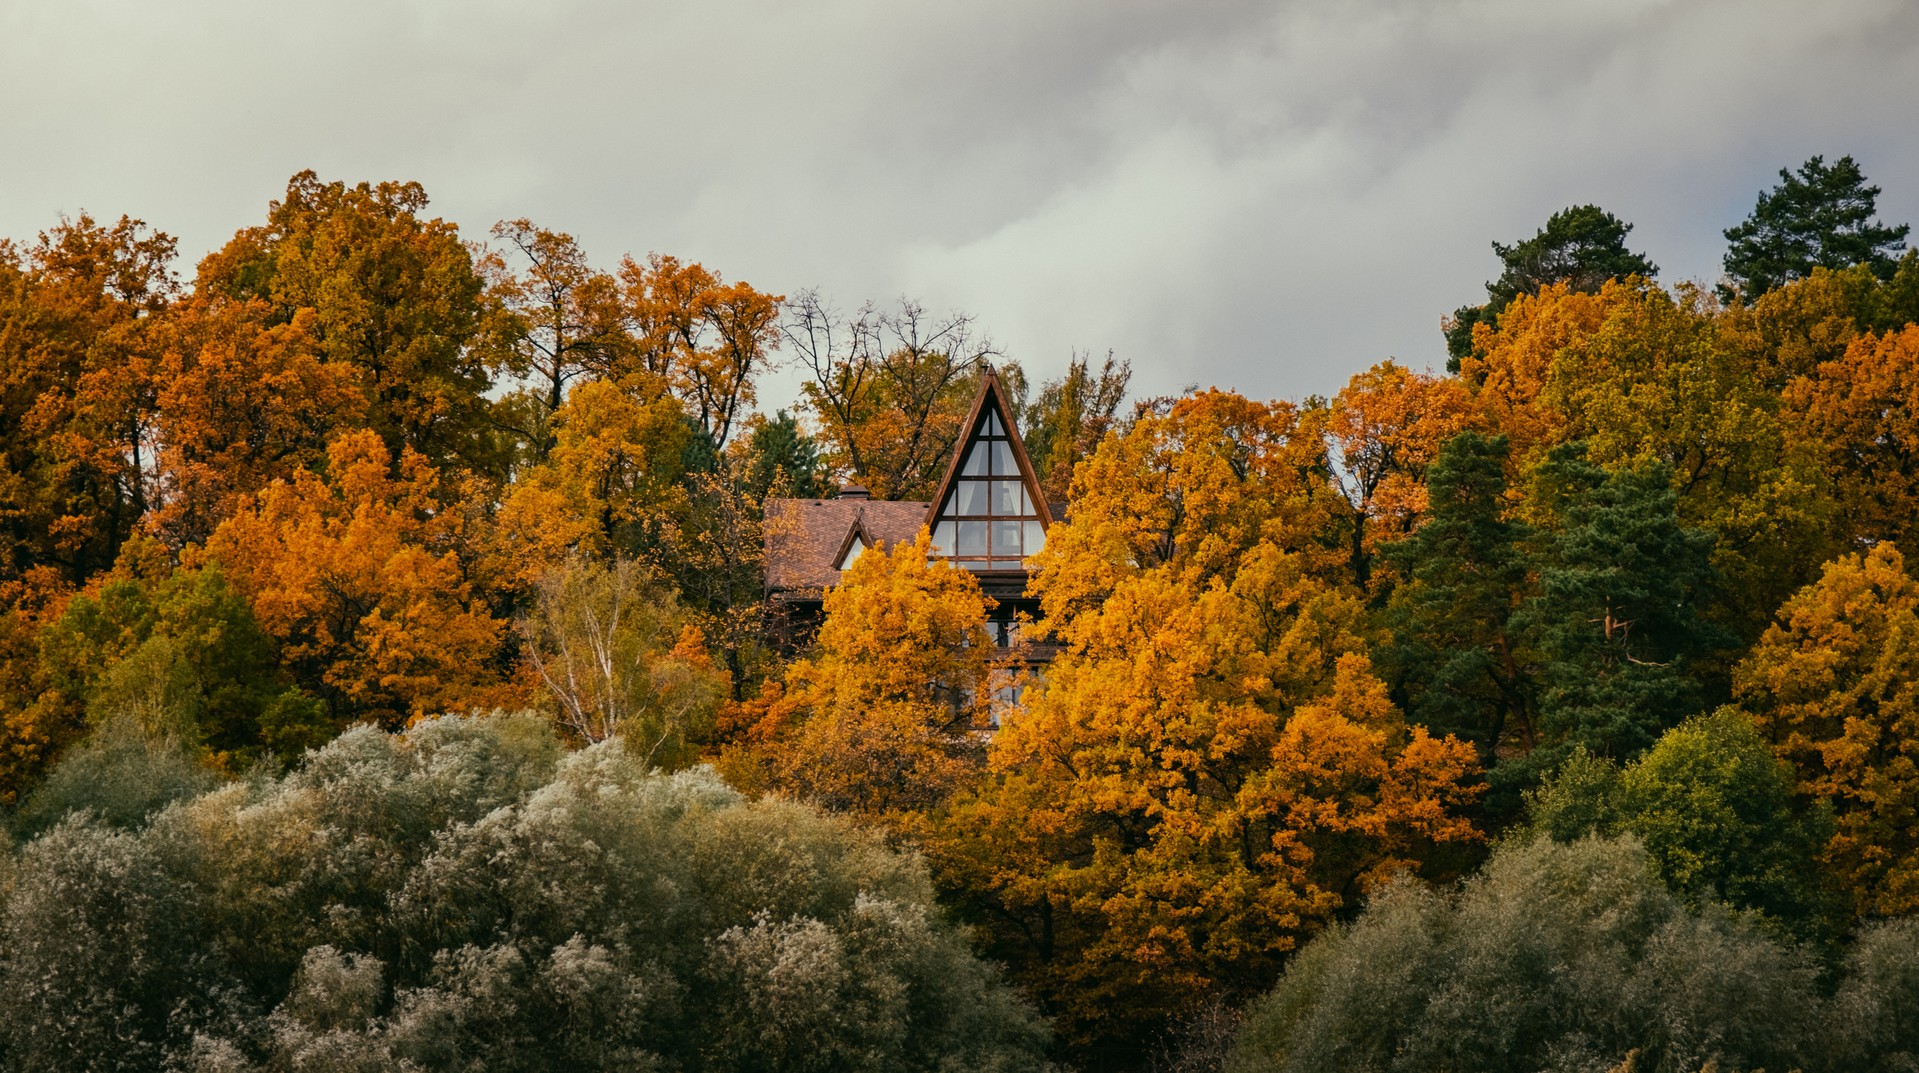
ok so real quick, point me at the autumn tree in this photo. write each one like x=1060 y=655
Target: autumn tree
x=355 y=575
x=394 y=294
x=555 y=319
x=889 y=389
x=1834 y=686
x=1641 y=377
x=1860 y=413
x=241 y=402
x=1210 y=768
x=710 y=340
x=612 y=483
x=1820 y=216
x=885 y=717
x=1069 y=417
x=1385 y=427
x=1581 y=247
x=617 y=655
x=77 y=314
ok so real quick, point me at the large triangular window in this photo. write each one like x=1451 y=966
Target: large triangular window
x=990 y=515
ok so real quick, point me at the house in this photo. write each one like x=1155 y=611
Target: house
x=988 y=516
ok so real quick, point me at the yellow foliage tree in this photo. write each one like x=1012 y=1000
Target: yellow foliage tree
x=611 y=482
x=1835 y=685
x=1860 y=413
x=356 y=576
x=887 y=717
x=1209 y=768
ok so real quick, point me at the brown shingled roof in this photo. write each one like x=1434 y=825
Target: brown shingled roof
x=805 y=536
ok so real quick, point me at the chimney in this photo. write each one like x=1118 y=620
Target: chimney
x=854 y=491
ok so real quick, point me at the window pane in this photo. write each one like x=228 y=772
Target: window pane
x=1026 y=501
x=1006 y=540
x=993 y=427
x=972 y=497
x=972 y=539
x=1006 y=498
x=1008 y=564
x=852 y=553
x=976 y=460
x=1003 y=459
x=943 y=538
x=1035 y=537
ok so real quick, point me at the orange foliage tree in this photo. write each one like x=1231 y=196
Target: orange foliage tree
x=1210 y=767
x=1835 y=685
x=1386 y=426
x=77 y=311
x=709 y=339
x=356 y=575
x=394 y=294
x=242 y=402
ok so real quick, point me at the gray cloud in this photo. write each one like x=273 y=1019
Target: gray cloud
x=1261 y=196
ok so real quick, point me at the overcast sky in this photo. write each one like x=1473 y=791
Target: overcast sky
x=1260 y=196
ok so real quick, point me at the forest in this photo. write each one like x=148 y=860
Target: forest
x=385 y=680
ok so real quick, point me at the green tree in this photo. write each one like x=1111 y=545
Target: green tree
x=1618 y=614
x=1583 y=247
x=1718 y=813
x=1554 y=958
x=1454 y=658
x=1820 y=217
x=782 y=460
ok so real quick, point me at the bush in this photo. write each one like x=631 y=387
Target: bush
x=466 y=896
x=1717 y=812
x=1555 y=957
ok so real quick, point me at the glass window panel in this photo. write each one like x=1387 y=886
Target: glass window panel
x=1006 y=539
x=976 y=564
x=993 y=427
x=973 y=498
x=943 y=538
x=1003 y=459
x=975 y=465
x=971 y=540
x=852 y=553
x=1006 y=498
x=1008 y=564
x=1035 y=537
x=1026 y=501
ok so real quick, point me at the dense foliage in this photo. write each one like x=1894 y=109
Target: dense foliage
x=1575 y=957
x=467 y=896
x=1629 y=577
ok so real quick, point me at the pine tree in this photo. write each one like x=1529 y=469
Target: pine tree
x=1820 y=217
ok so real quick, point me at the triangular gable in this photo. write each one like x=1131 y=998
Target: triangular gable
x=857 y=541
x=989 y=514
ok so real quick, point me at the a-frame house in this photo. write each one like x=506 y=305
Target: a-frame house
x=988 y=516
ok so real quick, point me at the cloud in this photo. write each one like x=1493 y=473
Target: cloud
x=1262 y=196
